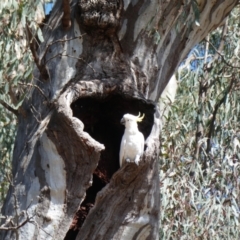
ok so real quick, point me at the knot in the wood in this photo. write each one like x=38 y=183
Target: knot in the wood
x=101 y=15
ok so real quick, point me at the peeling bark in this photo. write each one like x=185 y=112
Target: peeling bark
x=104 y=64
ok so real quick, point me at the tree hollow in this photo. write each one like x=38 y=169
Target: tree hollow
x=101 y=118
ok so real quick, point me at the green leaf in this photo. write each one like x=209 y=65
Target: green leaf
x=27 y=73
x=6 y=88
x=39 y=34
x=8 y=46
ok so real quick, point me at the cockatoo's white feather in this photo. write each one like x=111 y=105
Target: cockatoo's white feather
x=132 y=145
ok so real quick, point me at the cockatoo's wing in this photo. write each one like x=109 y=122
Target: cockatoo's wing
x=122 y=151
x=142 y=143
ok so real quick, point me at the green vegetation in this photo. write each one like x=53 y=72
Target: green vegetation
x=199 y=162
x=7 y=135
x=18 y=23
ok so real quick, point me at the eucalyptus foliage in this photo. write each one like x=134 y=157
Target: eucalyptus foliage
x=199 y=163
x=19 y=25
x=7 y=135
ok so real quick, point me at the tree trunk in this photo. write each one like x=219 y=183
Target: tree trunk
x=100 y=60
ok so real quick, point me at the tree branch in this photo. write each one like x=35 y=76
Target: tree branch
x=37 y=87
x=9 y=108
x=66 y=19
x=58 y=41
x=67 y=55
x=28 y=219
x=12 y=96
x=223 y=59
x=32 y=44
x=9 y=219
x=216 y=107
x=222 y=42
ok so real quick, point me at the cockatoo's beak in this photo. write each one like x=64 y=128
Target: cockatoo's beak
x=122 y=121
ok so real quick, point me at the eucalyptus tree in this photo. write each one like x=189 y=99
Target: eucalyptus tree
x=199 y=160
x=97 y=60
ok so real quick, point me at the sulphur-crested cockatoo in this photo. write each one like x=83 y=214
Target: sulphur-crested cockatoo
x=132 y=145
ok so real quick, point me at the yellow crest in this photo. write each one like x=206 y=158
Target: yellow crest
x=139 y=118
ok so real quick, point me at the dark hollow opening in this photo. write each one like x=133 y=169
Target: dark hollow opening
x=101 y=118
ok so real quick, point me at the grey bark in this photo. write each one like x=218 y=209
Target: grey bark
x=71 y=128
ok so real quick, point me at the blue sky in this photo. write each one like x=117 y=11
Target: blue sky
x=48 y=7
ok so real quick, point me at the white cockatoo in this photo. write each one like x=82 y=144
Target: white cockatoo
x=132 y=145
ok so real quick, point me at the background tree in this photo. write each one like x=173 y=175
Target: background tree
x=200 y=142
x=15 y=73
x=98 y=60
